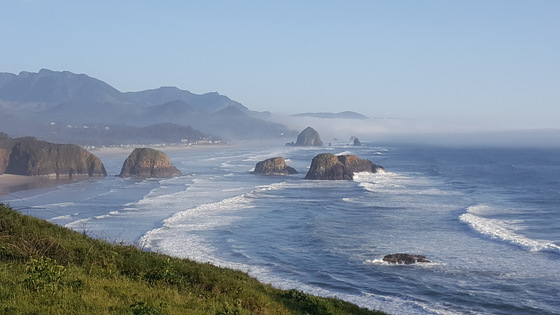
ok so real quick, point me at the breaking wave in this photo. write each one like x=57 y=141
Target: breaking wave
x=504 y=230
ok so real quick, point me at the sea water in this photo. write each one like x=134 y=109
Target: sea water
x=487 y=218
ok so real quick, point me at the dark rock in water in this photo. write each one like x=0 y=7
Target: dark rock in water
x=146 y=162
x=327 y=166
x=357 y=142
x=308 y=137
x=405 y=259
x=29 y=156
x=274 y=166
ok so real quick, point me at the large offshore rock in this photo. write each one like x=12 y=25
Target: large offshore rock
x=308 y=137
x=146 y=162
x=4 y=158
x=327 y=166
x=274 y=166
x=29 y=156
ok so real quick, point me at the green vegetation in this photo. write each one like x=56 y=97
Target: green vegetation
x=48 y=269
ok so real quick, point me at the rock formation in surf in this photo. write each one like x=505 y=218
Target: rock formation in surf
x=274 y=166
x=146 y=163
x=4 y=157
x=327 y=166
x=308 y=137
x=405 y=259
x=29 y=156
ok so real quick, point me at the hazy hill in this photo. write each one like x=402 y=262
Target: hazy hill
x=39 y=100
x=52 y=88
x=208 y=102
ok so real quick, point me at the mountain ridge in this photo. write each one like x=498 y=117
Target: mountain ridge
x=39 y=100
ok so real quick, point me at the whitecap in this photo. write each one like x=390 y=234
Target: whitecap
x=504 y=230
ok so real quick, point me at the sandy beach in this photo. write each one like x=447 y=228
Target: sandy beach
x=12 y=183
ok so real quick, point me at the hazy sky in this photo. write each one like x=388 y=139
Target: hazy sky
x=486 y=63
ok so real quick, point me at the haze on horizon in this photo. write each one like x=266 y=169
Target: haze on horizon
x=436 y=65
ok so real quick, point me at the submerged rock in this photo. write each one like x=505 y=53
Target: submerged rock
x=146 y=162
x=405 y=259
x=327 y=166
x=274 y=166
x=308 y=137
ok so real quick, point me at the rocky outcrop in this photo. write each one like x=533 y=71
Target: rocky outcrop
x=327 y=166
x=146 y=162
x=274 y=166
x=405 y=259
x=4 y=158
x=357 y=142
x=29 y=156
x=308 y=137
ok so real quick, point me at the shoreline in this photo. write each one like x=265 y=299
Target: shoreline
x=10 y=183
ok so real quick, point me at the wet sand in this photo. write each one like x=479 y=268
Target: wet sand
x=12 y=183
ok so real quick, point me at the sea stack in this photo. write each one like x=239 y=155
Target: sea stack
x=147 y=163
x=274 y=166
x=32 y=157
x=308 y=137
x=327 y=166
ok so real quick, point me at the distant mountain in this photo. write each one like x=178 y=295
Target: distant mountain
x=341 y=115
x=208 y=102
x=52 y=88
x=39 y=100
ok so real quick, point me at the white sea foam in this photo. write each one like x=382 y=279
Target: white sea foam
x=60 y=205
x=63 y=217
x=380 y=261
x=345 y=153
x=504 y=230
x=399 y=183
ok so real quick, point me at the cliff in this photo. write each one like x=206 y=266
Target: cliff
x=4 y=157
x=327 y=166
x=29 y=156
x=146 y=162
x=274 y=166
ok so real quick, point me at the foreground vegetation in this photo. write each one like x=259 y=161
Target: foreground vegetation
x=48 y=269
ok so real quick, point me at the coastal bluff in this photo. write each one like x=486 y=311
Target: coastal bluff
x=274 y=166
x=327 y=166
x=32 y=157
x=148 y=163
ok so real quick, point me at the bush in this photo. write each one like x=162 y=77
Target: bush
x=44 y=275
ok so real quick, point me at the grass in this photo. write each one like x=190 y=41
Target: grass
x=48 y=269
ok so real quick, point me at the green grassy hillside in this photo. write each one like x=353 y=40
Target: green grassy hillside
x=48 y=269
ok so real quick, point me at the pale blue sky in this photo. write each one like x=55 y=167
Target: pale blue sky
x=486 y=63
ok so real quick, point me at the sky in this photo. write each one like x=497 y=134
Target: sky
x=478 y=64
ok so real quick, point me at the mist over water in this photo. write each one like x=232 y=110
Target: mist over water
x=487 y=218
x=394 y=130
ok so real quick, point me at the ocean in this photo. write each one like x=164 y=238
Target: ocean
x=488 y=219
